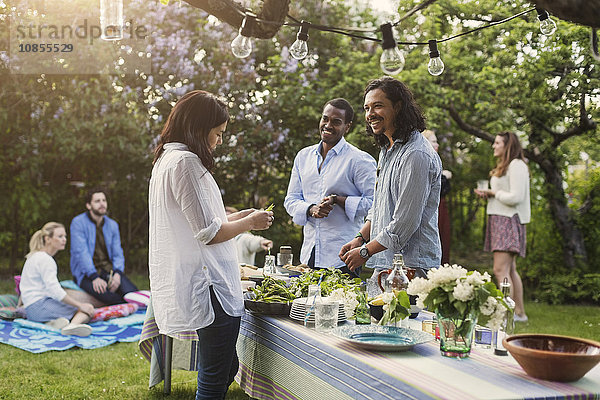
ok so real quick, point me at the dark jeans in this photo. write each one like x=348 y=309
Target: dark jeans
x=344 y=269
x=109 y=297
x=218 y=362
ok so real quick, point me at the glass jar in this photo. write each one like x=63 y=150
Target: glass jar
x=285 y=256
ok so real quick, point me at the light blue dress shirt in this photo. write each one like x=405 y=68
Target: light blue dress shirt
x=346 y=171
x=404 y=217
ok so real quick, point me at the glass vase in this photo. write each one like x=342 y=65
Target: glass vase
x=456 y=335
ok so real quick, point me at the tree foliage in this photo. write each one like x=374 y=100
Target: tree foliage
x=60 y=131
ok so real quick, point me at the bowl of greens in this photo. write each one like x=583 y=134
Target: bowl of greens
x=271 y=297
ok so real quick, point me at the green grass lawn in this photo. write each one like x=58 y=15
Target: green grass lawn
x=119 y=371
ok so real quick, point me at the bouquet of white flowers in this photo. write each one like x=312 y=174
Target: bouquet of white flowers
x=348 y=297
x=458 y=294
x=396 y=306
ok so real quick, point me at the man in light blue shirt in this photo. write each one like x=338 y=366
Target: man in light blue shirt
x=331 y=189
x=404 y=214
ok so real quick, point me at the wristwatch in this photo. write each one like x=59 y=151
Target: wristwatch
x=364 y=252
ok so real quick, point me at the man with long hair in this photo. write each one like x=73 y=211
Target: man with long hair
x=404 y=215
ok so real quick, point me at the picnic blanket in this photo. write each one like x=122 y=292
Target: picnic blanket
x=38 y=338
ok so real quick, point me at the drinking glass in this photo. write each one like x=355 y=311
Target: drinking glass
x=482 y=184
x=285 y=259
x=269 y=268
x=326 y=315
x=312 y=299
x=483 y=337
x=111 y=19
x=429 y=326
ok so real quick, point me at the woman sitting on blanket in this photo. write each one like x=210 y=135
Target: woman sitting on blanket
x=43 y=297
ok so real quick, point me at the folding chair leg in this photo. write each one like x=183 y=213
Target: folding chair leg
x=168 y=363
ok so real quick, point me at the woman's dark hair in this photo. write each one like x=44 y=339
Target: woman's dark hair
x=190 y=122
x=409 y=116
x=512 y=150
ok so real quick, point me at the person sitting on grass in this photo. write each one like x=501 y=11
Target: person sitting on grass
x=43 y=297
x=97 y=261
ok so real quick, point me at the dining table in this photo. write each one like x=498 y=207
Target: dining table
x=282 y=359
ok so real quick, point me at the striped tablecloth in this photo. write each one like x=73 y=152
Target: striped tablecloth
x=281 y=359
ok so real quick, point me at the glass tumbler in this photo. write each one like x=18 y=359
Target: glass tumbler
x=326 y=315
x=269 y=268
x=312 y=299
x=483 y=184
x=111 y=19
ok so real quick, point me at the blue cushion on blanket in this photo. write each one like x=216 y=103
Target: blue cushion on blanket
x=70 y=284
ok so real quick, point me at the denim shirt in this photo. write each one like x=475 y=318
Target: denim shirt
x=404 y=215
x=83 y=242
x=346 y=171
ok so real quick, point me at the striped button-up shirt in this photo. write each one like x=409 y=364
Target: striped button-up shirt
x=405 y=208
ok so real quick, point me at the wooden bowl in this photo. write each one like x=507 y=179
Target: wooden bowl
x=553 y=357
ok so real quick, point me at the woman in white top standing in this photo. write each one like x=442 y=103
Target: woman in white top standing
x=508 y=210
x=43 y=297
x=194 y=273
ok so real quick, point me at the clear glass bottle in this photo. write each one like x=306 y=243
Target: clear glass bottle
x=362 y=312
x=508 y=324
x=397 y=279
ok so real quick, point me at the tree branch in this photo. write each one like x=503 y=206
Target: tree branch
x=232 y=13
x=416 y=8
x=469 y=128
x=585 y=12
x=585 y=124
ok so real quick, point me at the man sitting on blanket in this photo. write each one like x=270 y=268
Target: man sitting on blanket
x=97 y=261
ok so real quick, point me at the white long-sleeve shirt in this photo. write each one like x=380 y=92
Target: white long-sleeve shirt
x=186 y=212
x=39 y=279
x=512 y=192
x=247 y=245
x=345 y=171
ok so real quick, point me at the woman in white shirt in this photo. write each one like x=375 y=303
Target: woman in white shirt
x=508 y=210
x=43 y=297
x=194 y=273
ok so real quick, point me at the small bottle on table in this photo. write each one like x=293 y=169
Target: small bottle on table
x=508 y=324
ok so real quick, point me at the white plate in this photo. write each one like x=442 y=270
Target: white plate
x=298 y=311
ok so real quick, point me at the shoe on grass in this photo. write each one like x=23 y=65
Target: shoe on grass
x=521 y=318
x=77 y=330
x=58 y=323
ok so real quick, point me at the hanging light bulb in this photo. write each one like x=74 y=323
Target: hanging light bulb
x=299 y=49
x=547 y=26
x=391 y=60
x=241 y=46
x=436 y=65
x=111 y=19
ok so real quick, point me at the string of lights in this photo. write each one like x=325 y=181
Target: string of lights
x=391 y=60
